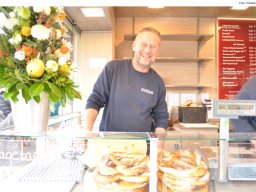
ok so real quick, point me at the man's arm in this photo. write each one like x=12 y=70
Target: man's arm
x=90 y=117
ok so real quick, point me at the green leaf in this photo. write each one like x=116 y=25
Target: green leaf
x=77 y=94
x=11 y=93
x=54 y=89
x=70 y=93
x=37 y=98
x=36 y=89
x=2 y=68
x=20 y=85
x=53 y=98
x=31 y=43
x=14 y=97
x=63 y=99
x=25 y=94
x=11 y=84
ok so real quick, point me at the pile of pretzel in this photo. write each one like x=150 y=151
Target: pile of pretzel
x=122 y=172
x=182 y=171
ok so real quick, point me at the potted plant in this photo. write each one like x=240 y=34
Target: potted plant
x=34 y=57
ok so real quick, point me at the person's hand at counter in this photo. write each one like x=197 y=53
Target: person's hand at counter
x=160 y=133
x=253 y=142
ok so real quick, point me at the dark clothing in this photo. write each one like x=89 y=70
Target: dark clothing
x=133 y=101
x=247 y=92
x=5 y=108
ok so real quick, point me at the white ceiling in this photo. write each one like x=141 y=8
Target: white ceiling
x=107 y=23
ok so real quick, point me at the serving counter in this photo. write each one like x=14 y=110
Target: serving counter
x=69 y=159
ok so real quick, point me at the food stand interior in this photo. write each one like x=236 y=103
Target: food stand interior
x=189 y=47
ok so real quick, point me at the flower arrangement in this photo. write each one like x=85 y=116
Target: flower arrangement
x=34 y=57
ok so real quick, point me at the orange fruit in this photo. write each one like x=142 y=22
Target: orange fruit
x=35 y=68
x=64 y=49
x=25 y=31
x=28 y=50
x=62 y=15
x=62 y=29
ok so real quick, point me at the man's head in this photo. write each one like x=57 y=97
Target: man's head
x=146 y=47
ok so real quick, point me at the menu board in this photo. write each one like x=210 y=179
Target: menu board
x=236 y=55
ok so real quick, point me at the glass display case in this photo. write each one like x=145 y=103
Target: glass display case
x=66 y=158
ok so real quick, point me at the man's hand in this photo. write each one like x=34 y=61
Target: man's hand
x=160 y=133
x=253 y=142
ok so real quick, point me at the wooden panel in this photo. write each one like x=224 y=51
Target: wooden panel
x=178 y=49
x=177 y=73
x=168 y=25
x=176 y=37
x=93 y=45
x=208 y=71
x=123 y=48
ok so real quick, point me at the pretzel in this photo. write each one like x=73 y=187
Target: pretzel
x=170 y=167
x=182 y=171
x=144 y=177
x=106 y=179
x=131 y=185
x=122 y=172
x=163 y=188
x=107 y=167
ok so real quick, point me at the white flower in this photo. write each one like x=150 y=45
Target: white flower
x=58 y=34
x=40 y=32
x=62 y=60
x=68 y=44
x=46 y=10
x=10 y=23
x=52 y=65
x=16 y=39
x=67 y=56
x=20 y=55
x=58 y=54
x=60 y=9
x=12 y=14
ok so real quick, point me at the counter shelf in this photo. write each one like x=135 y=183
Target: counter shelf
x=69 y=159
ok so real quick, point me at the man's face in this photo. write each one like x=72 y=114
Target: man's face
x=146 y=48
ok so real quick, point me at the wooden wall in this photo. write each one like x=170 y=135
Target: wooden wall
x=93 y=45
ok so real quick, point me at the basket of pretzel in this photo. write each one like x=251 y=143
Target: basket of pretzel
x=182 y=171
x=122 y=172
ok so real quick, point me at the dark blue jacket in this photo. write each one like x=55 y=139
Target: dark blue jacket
x=132 y=101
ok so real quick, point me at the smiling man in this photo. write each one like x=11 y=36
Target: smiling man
x=131 y=92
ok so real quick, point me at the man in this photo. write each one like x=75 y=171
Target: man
x=131 y=92
x=247 y=92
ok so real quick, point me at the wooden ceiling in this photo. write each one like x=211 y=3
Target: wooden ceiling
x=107 y=23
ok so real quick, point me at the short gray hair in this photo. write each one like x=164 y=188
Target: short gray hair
x=152 y=30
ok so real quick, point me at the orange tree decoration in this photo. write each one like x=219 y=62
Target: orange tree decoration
x=33 y=55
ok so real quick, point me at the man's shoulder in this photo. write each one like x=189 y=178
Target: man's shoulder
x=119 y=62
x=157 y=76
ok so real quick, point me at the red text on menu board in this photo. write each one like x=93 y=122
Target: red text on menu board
x=236 y=55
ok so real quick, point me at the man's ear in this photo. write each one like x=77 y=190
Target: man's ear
x=133 y=46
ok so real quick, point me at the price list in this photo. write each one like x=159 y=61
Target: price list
x=236 y=55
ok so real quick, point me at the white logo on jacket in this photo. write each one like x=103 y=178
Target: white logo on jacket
x=147 y=91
